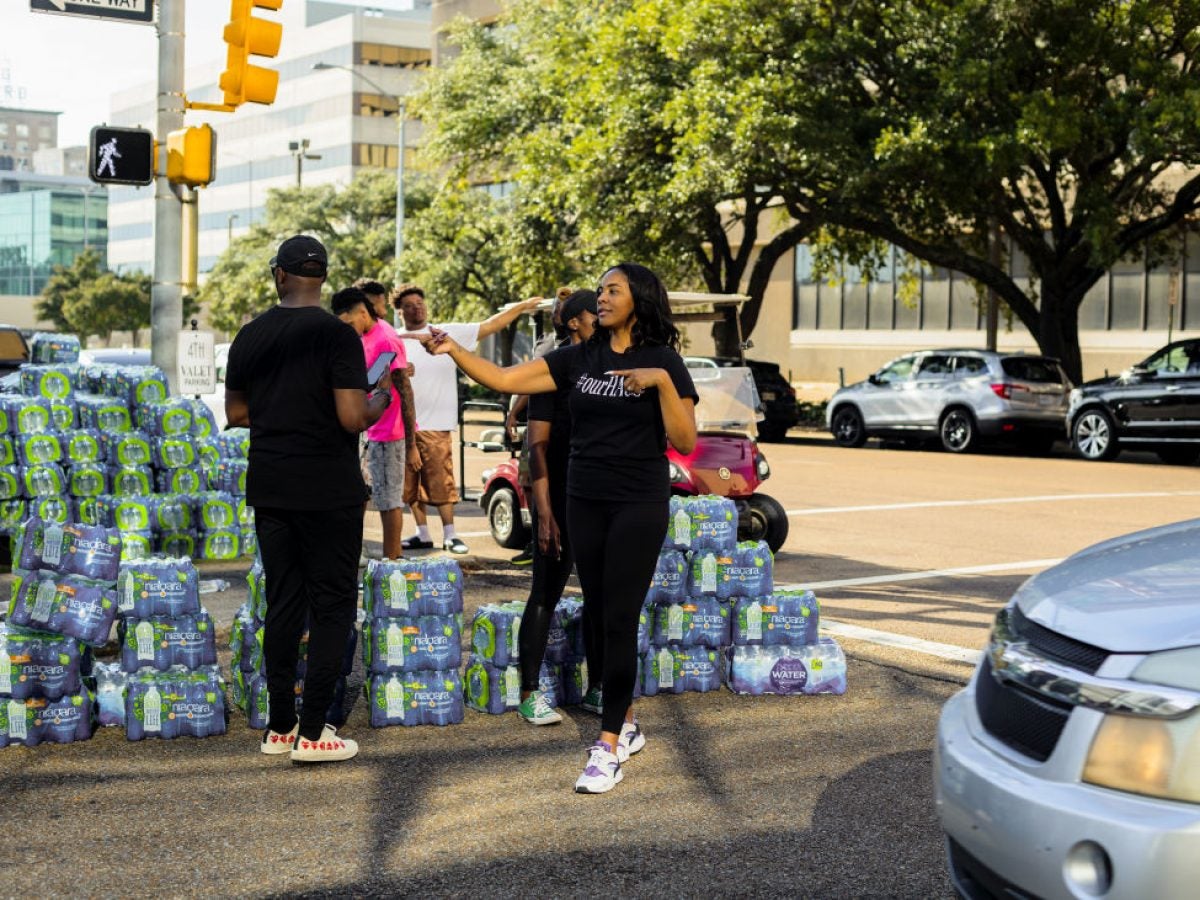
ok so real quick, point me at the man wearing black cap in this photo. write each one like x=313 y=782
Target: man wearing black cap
x=297 y=379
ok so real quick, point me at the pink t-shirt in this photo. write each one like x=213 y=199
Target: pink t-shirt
x=382 y=336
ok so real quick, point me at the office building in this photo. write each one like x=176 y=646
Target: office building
x=349 y=119
x=23 y=132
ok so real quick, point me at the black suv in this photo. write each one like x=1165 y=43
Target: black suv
x=778 y=397
x=1155 y=405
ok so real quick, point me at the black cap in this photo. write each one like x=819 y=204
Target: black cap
x=578 y=302
x=302 y=255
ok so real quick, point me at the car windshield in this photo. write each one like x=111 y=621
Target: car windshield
x=897 y=370
x=1032 y=368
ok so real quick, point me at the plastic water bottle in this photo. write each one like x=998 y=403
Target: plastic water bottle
x=394 y=697
x=754 y=621
x=675 y=622
x=708 y=573
x=682 y=528
x=666 y=669
x=47 y=591
x=16 y=720
x=144 y=634
x=153 y=709
x=5 y=667
x=395 y=646
x=213 y=585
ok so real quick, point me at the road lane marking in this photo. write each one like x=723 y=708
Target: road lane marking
x=987 y=501
x=920 y=576
x=900 y=641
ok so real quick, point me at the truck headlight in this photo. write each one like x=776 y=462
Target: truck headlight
x=1156 y=757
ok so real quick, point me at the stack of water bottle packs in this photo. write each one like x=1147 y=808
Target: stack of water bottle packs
x=166 y=683
x=62 y=603
x=412 y=641
x=492 y=681
x=104 y=445
x=717 y=617
x=248 y=670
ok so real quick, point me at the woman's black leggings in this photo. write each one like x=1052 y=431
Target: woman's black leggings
x=616 y=550
x=549 y=578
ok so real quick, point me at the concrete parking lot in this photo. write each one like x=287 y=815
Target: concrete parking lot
x=911 y=554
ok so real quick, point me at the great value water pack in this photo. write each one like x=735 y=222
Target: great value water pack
x=37 y=664
x=494 y=633
x=137 y=384
x=44 y=480
x=245 y=640
x=177 y=452
x=25 y=415
x=12 y=482
x=216 y=510
x=172 y=416
x=234 y=443
x=412 y=643
x=131 y=481
x=33 y=449
x=221 y=543
x=174 y=704
x=161 y=642
x=130 y=448
x=51 y=509
x=673 y=670
x=50 y=381
x=41 y=721
x=50 y=347
x=669 y=584
x=696 y=622
x=818 y=668
x=83 y=446
x=416 y=698
x=107 y=415
x=64 y=604
x=64 y=414
x=229 y=475
x=132 y=513
x=782 y=619
x=174 y=512
x=87 y=480
x=256 y=581
x=157 y=587
x=8 y=450
x=495 y=690
x=564 y=639
x=136 y=544
x=85 y=550
x=203 y=423
x=416 y=587
x=188 y=480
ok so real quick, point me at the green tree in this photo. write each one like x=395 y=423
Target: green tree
x=356 y=223
x=110 y=303
x=1071 y=127
x=64 y=285
x=628 y=141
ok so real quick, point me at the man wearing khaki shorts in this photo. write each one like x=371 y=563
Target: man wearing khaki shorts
x=435 y=393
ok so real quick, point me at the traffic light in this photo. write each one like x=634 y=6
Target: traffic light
x=121 y=155
x=192 y=156
x=247 y=36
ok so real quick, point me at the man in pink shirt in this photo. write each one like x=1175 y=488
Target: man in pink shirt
x=390 y=440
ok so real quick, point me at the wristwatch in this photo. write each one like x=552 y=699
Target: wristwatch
x=387 y=395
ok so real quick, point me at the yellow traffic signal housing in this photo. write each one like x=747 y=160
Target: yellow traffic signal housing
x=242 y=82
x=192 y=156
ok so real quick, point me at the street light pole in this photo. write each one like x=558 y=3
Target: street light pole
x=229 y=227
x=402 y=112
x=300 y=151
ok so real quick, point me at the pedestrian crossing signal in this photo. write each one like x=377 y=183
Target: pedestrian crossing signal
x=121 y=155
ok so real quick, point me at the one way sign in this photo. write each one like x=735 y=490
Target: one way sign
x=118 y=10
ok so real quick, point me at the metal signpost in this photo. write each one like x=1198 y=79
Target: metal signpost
x=119 y=10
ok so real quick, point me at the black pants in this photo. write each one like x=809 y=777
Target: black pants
x=549 y=578
x=310 y=560
x=616 y=550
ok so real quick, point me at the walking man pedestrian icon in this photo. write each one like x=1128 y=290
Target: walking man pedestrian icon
x=107 y=152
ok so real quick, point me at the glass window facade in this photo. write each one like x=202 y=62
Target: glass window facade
x=370 y=54
x=1132 y=295
x=46 y=228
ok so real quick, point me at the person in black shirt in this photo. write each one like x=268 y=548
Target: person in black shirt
x=297 y=379
x=548 y=436
x=630 y=394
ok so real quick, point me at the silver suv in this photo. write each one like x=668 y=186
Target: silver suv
x=963 y=397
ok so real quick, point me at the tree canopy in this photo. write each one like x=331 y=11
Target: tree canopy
x=86 y=300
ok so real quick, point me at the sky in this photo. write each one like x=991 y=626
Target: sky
x=72 y=65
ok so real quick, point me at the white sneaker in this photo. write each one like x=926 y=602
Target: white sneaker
x=602 y=772
x=330 y=748
x=631 y=740
x=275 y=744
x=535 y=710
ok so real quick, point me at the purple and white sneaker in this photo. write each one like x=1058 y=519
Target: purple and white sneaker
x=602 y=772
x=630 y=741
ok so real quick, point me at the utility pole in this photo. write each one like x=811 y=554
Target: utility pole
x=166 y=296
x=300 y=151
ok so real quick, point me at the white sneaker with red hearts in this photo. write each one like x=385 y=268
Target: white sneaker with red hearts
x=328 y=748
x=275 y=744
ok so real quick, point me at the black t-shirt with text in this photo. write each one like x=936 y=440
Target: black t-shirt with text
x=618 y=441
x=554 y=408
x=288 y=361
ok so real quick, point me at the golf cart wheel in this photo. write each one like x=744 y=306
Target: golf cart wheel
x=848 y=428
x=763 y=519
x=957 y=430
x=504 y=519
x=1094 y=436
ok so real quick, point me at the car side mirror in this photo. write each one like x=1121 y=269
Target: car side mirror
x=874 y=379
x=1139 y=370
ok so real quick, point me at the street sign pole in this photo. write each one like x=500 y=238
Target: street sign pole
x=166 y=298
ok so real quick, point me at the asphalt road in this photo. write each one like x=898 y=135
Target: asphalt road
x=783 y=797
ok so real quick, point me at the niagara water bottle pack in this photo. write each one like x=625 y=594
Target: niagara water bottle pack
x=412 y=641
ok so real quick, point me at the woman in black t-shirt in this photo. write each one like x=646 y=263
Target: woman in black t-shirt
x=630 y=394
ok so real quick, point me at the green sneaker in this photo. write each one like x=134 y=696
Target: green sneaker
x=593 y=701
x=536 y=711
